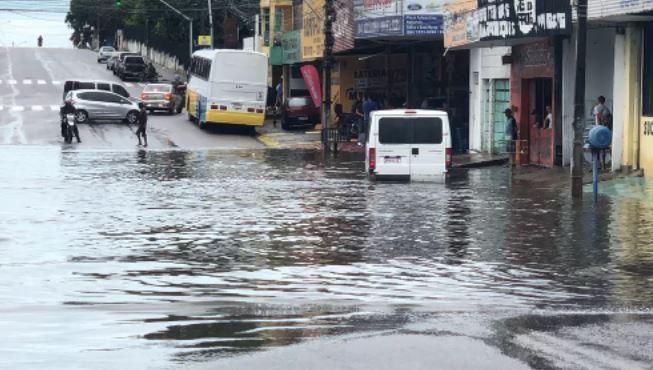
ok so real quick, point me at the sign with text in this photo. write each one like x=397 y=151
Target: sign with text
x=378 y=18
x=204 y=40
x=504 y=19
x=290 y=43
x=343 y=27
x=312 y=37
x=461 y=23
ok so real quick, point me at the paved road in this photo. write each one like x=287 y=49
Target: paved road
x=31 y=86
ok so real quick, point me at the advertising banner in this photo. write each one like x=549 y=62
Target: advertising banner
x=290 y=43
x=378 y=18
x=312 y=37
x=461 y=23
x=312 y=81
x=502 y=19
x=343 y=27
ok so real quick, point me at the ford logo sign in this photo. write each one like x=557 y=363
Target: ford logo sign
x=414 y=7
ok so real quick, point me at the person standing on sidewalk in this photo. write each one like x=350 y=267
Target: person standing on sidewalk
x=369 y=106
x=142 y=124
x=511 y=135
x=603 y=117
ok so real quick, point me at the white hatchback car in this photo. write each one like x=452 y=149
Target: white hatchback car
x=105 y=53
x=408 y=145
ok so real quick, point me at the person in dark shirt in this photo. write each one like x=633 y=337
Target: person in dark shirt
x=66 y=109
x=142 y=124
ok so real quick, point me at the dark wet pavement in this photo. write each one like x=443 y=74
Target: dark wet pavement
x=158 y=259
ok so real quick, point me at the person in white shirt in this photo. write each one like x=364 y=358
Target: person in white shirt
x=548 y=120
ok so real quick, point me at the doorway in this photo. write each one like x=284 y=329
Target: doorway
x=538 y=101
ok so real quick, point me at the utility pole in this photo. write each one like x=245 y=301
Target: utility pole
x=211 y=23
x=329 y=16
x=579 y=101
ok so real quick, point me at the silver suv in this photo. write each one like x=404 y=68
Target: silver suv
x=94 y=105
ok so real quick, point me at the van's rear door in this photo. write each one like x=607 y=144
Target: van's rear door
x=428 y=157
x=393 y=147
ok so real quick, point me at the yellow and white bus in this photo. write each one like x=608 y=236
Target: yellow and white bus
x=227 y=87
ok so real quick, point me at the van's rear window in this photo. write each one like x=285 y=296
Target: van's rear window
x=410 y=130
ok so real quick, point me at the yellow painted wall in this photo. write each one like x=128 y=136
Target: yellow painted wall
x=632 y=115
x=646 y=146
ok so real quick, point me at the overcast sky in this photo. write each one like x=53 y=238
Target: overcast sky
x=22 y=21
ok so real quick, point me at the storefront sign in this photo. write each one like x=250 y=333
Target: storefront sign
x=424 y=17
x=343 y=27
x=502 y=19
x=373 y=78
x=461 y=24
x=312 y=38
x=290 y=43
x=607 y=8
x=379 y=18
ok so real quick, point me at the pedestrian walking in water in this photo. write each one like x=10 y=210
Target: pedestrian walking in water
x=142 y=124
x=511 y=135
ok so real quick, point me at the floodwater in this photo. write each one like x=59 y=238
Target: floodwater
x=154 y=258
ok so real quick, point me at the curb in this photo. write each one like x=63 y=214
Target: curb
x=481 y=164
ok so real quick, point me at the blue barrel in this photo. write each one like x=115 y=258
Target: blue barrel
x=600 y=137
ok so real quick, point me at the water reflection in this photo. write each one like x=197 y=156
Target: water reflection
x=216 y=252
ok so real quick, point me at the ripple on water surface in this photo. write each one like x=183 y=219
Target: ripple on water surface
x=230 y=251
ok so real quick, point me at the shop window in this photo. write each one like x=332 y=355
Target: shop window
x=647 y=77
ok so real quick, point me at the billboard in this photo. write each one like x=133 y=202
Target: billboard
x=312 y=37
x=502 y=19
x=343 y=27
x=461 y=23
x=379 y=18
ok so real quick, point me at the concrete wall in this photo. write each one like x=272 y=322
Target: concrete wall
x=619 y=101
x=485 y=65
x=157 y=57
x=568 y=90
x=600 y=66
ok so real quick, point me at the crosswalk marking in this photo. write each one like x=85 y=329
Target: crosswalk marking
x=54 y=107
x=18 y=108
x=12 y=82
x=41 y=82
x=55 y=82
x=27 y=82
x=37 y=108
x=141 y=84
x=129 y=84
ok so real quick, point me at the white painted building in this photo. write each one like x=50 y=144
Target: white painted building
x=489 y=97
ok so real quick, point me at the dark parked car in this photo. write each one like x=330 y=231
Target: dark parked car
x=131 y=67
x=114 y=62
x=299 y=112
x=162 y=97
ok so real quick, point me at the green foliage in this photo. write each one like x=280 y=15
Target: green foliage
x=162 y=21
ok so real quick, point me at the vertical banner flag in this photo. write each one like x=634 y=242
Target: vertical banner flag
x=312 y=80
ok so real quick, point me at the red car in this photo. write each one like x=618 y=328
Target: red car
x=299 y=112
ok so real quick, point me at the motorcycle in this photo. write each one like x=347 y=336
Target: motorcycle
x=69 y=132
x=180 y=89
x=349 y=125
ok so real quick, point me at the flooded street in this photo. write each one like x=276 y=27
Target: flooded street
x=160 y=259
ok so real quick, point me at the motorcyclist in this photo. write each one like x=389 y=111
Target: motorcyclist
x=66 y=109
x=40 y=41
x=150 y=72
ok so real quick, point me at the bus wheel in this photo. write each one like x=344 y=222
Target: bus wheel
x=202 y=125
x=191 y=118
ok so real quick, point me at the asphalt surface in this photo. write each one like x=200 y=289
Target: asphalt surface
x=31 y=88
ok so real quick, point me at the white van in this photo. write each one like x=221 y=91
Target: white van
x=408 y=145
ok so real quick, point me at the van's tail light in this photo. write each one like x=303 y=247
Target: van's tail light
x=448 y=155
x=372 y=159
x=167 y=96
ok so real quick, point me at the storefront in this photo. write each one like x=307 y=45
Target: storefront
x=525 y=36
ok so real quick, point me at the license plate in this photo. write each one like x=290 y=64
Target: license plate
x=392 y=160
x=303 y=118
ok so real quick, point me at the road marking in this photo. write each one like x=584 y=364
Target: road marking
x=41 y=82
x=268 y=141
x=129 y=84
x=12 y=82
x=54 y=82
x=17 y=108
x=37 y=108
x=27 y=82
x=2 y=107
x=54 y=107
x=141 y=84
x=0 y=82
